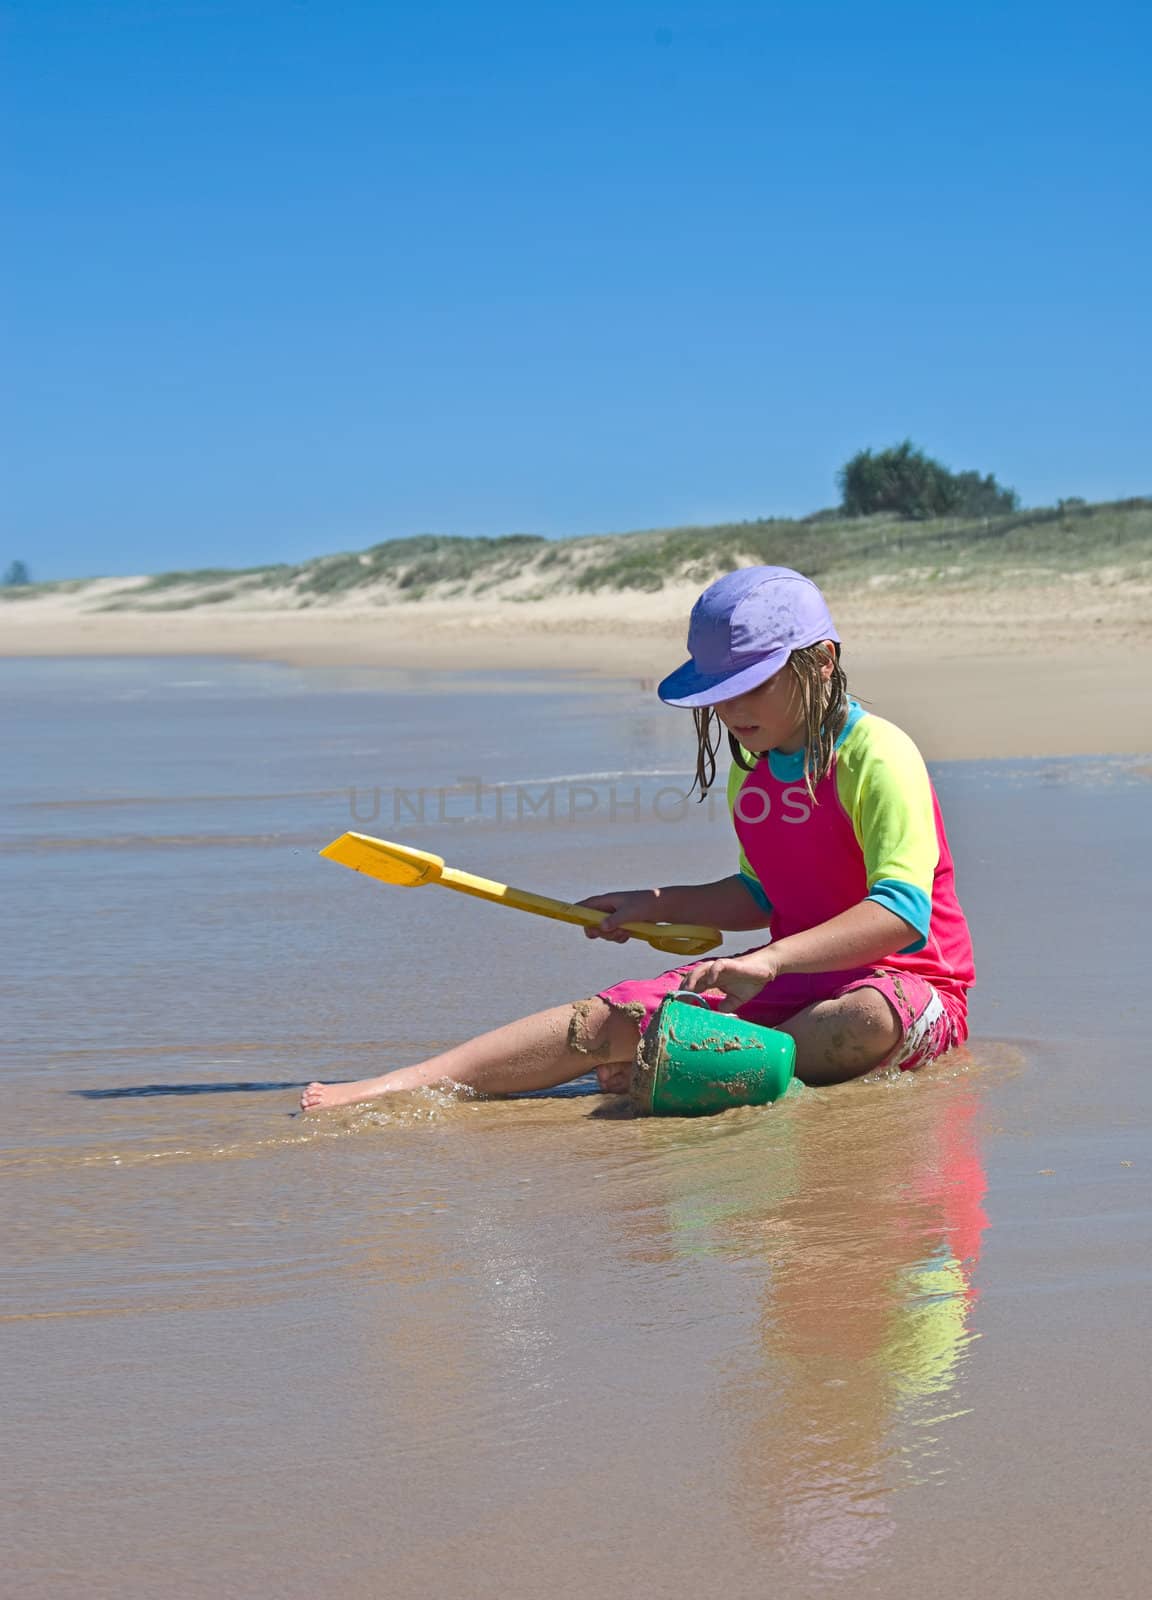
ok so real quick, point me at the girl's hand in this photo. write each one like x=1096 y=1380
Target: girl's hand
x=626 y=905
x=739 y=978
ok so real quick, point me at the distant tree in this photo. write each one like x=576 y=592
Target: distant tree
x=982 y=497
x=16 y=575
x=902 y=480
x=905 y=482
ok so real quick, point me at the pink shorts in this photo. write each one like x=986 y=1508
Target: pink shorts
x=933 y=1020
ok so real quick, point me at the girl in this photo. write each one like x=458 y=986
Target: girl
x=843 y=857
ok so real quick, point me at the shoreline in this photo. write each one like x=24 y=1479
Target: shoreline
x=1040 y=671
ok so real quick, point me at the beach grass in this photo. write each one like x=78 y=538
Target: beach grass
x=827 y=548
x=1112 y=540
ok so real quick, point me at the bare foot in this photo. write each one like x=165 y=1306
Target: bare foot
x=324 y=1096
x=615 y=1077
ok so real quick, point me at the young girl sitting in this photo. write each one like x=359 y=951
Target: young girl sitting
x=843 y=856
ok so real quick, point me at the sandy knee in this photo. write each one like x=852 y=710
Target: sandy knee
x=600 y=1031
x=588 y=1027
x=848 y=1036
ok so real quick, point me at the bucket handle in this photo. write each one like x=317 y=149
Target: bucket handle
x=690 y=994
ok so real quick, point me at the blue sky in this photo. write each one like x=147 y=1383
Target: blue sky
x=289 y=276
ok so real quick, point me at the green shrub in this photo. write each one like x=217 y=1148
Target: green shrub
x=904 y=481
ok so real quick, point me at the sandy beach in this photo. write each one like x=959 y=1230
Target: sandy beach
x=499 y=1348
x=1038 y=669
x=387 y=385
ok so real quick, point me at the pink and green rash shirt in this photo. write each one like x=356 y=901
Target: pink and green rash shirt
x=875 y=833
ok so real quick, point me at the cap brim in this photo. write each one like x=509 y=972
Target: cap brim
x=688 y=686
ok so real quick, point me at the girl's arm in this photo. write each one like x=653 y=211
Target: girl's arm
x=863 y=934
x=729 y=904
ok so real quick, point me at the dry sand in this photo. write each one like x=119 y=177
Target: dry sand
x=1060 y=668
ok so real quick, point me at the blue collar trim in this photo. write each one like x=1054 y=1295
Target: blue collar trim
x=787 y=766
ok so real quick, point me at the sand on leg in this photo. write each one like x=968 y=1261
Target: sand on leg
x=843 y=1038
x=836 y=1039
x=536 y=1052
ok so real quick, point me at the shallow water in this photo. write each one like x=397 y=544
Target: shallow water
x=887 y=1335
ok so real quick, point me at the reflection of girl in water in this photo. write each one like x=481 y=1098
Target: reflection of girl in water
x=843 y=856
x=865 y=1322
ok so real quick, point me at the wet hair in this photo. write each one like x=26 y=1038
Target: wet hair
x=824 y=711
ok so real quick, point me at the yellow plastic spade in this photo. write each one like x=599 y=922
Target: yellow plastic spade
x=398 y=863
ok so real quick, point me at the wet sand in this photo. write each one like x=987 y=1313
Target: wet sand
x=1028 y=668
x=887 y=1336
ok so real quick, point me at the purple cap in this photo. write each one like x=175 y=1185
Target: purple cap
x=743 y=629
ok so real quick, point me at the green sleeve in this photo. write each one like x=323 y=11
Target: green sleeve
x=884 y=787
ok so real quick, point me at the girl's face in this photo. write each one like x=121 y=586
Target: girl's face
x=770 y=717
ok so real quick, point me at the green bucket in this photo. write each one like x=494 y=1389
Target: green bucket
x=694 y=1062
